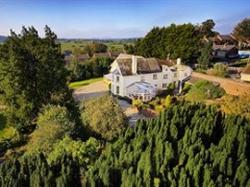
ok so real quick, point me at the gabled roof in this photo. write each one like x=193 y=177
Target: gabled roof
x=106 y=54
x=147 y=65
x=125 y=65
x=224 y=47
x=144 y=65
x=168 y=63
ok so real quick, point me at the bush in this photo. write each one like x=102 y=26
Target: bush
x=84 y=152
x=239 y=105
x=103 y=117
x=52 y=125
x=203 y=90
x=137 y=103
x=219 y=70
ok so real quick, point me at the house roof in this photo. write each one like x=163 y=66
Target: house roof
x=107 y=54
x=223 y=47
x=246 y=70
x=225 y=37
x=168 y=63
x=83 y=57
x=147 y=65
x=144 y=65
x=125 y=65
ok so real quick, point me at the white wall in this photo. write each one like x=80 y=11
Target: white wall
x=125 y=81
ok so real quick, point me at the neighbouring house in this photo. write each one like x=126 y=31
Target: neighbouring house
x=81 y=58
x=142 y=78
x=227 y=39
x=245 y=74
x=102 y=55
x=225 y=51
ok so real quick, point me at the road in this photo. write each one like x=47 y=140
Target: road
x=231 y=86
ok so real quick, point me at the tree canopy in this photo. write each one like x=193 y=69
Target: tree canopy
x=206 y=28
x=242 y=30
x=32 y=74
x=103 y=116
x=203 y=90
x=187 y=145
x=52 y=125
x=174 y=41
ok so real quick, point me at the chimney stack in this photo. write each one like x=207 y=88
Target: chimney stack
x=134 y=64
x=178 y=61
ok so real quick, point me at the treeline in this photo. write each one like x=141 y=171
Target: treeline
x=174 y=41
x=187 y=145
x=94 y=67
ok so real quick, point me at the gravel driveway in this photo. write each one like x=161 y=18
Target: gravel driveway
x=231 y=86
x=92 y=90
x=100 y=88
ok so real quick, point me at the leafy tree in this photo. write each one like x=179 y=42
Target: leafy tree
x=103 y=116
x=242 y=30
x=84 y=152
x=220 y=70
x=203 y=90
x=205 y=57
x=32 y=74
x=95 y=67
x=95 y=48
x=130 y=49
x=174 y=41
x=188 y=145
x=206 y=28
x=52 y=125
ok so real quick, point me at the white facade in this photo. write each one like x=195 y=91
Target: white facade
x=159 y=80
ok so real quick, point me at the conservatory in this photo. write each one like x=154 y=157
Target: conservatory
x=141 y=90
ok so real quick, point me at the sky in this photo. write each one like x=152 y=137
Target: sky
x=117 y=18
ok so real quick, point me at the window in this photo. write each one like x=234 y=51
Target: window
x=154 y=76
x=165 y=76
x=164 y=85
x=117 y=90
x=117 y=78
x=156 y=85
x=175 y=75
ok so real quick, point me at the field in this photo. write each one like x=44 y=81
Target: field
x=116 y=45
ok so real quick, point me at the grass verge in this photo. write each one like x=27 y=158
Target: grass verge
x=78 y=84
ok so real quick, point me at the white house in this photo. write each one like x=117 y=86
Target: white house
x=138 y=77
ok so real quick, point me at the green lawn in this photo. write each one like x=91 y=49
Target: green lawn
x=78 y=84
